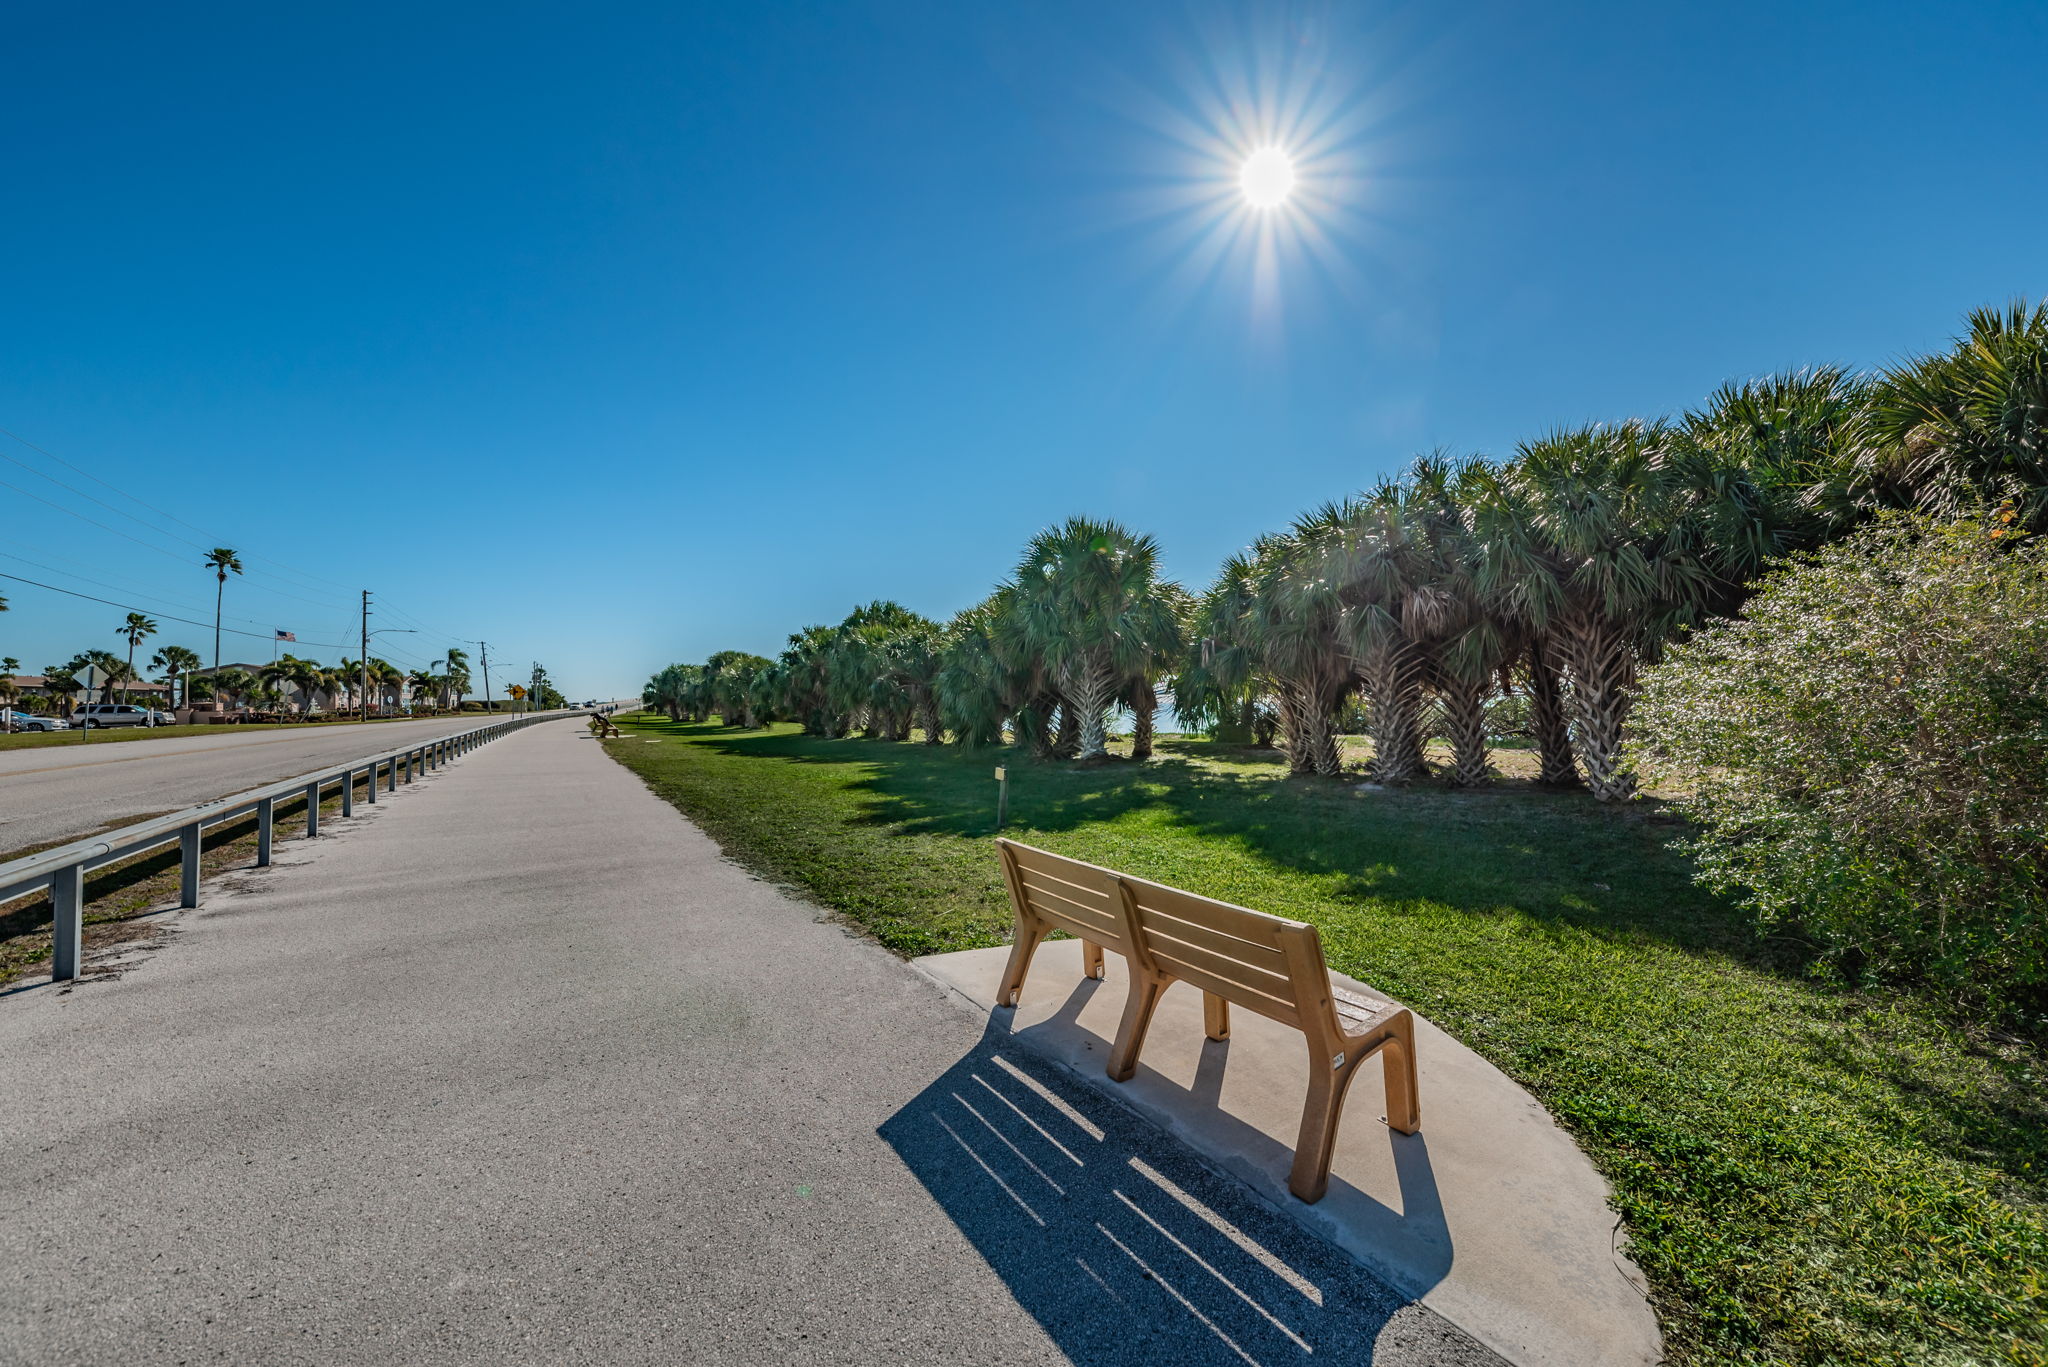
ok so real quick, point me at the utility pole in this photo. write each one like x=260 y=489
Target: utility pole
x=485 y=647
x=364 y=663
x=539 y=676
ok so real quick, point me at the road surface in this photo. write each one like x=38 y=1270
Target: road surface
x=515 y=1068
x=73 y=787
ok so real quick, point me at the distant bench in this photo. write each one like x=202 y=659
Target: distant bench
x=1236 y=956
x=604 y=728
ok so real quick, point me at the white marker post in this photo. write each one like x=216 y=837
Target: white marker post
x=1002 y=795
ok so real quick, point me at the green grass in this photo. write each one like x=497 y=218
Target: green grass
x=1808 y=1174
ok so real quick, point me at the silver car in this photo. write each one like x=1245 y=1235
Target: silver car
x=29 y=721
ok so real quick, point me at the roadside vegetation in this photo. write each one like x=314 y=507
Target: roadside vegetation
x=1808 y=1172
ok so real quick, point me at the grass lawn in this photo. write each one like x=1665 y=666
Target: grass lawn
x=1808 y=1174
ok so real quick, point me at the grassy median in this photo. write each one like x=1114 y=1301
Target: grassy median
x=1808 y=1174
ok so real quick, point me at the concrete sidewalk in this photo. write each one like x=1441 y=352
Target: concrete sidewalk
x=514 y=1068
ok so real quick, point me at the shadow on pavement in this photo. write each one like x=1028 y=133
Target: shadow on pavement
x=1119 y=1242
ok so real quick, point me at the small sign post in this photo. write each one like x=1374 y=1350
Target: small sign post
x=1002 y=795
x=90 y=679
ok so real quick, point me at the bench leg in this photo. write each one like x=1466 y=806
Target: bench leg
x=1404 y=1098
x=1091 y=960
x=1327 y=1087
x=1215 y=1016
x=1130 y=1034
x=1023 y=944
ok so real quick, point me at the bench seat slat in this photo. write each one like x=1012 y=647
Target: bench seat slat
x=1258 y=955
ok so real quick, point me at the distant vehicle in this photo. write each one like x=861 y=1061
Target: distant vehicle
x=162 y=718
x=111 y=714
x=28 y=721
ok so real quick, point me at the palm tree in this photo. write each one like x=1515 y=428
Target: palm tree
x=1596 y=540
x=1272 y=627
x=1969 y=427
x=136 y=629
x=10 y=690
x=222 y=561
x=231 y=686
x=456 y=665
x=59 y=683
x=1090 y=602
x=175 y=664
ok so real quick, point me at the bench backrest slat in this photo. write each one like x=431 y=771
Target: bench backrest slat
x=1234 y=952
x=1079 y=898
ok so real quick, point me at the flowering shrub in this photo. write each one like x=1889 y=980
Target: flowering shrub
x=1867 y=754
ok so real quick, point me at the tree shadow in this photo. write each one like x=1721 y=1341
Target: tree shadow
x=1121 y=1244
x=1558 y=858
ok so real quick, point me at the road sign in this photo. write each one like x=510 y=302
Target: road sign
x=92 y=676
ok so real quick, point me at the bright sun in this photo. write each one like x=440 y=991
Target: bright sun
x=1267 y=178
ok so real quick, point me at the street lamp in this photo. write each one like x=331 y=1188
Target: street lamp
x=365 y=662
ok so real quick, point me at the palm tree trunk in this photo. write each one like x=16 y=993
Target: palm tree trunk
x=1555 y=766
x=1305 y=731
x=1090 y=689
x=1067 y=738
x=1147 y=702
x=1392 y=677
x=934 y=729
x=1603 y=675
x=222 y=587
x=1464 y=704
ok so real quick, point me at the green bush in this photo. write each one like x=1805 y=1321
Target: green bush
x=1866 y=751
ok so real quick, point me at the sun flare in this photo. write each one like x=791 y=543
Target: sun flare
x=1267 y=178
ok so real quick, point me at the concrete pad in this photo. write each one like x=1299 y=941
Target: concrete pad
x=1491 y=1215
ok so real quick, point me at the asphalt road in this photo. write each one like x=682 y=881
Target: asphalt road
x=73 y=787
x=515 y=1068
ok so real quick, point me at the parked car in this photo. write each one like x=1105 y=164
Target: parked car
x=29 y=721
x=111 y=714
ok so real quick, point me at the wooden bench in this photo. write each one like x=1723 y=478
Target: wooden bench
x=1236 y=956
x=605 y=728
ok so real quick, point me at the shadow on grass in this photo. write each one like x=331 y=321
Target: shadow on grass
x=1556 y=858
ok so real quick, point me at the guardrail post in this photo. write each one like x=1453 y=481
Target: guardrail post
x=67 y=922
x=348 y=792
x=266 y=810
x=391 y=775
x=373 y=780
x=188 y=865
x=312 y=809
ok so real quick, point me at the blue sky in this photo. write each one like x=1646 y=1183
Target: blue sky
x=620 y=334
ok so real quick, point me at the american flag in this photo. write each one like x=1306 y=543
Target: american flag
x=287 y=636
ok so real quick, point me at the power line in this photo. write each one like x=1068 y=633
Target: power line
x=141 y=503
x=130 y=607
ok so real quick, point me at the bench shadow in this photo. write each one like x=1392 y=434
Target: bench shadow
x=1115 y=1237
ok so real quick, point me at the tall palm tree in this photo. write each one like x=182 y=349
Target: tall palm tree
x=1090 y=600
x=136 y=629
x=223 y=562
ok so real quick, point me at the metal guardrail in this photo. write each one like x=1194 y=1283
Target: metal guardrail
x=62 y=870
